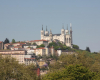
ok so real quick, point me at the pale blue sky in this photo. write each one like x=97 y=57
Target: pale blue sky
x=23 y=19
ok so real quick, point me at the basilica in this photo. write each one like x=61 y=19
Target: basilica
x=65 y=37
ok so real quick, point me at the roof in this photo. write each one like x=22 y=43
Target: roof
x=40 y=48
x=56 y=34
x=0 y=41
x=37 y=40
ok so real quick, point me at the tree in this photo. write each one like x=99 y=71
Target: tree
x=42 y=45
x=75 y=46
x=6 y=41
x=34 y=44
x=13 y=40
x=71 y=72
x=88 y=49
x=10 y=69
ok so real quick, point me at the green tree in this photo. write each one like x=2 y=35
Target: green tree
x=6 y=41
x=42 y=45
x=75 y=46
x=34 y=44
x=10 y=69
x=64 y=47
x=88 y=49
x=13 y=40
x=71 y=72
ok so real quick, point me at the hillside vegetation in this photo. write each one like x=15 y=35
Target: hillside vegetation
x=81 y=65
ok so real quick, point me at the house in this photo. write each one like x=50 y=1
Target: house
x=8 y=46
x=30 y=59
x=44 y=51
x=17 y=54
x=39 y=42
x=31 y=46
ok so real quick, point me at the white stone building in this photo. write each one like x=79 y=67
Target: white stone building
x=65 y=37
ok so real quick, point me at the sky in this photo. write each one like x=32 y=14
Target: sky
x=23 y=19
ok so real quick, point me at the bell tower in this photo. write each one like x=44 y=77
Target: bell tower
x=46 y=32
x=63 y=30
x=42 y=33
x=67 y=31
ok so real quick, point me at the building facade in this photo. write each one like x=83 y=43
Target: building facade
x=39 y=42
x=30 y=59
x=17 y=54
x=65 y=37
x=44 y=51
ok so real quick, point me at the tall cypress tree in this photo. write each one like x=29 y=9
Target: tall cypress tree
x=6 y=41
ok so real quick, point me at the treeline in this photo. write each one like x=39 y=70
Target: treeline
x=81 y=65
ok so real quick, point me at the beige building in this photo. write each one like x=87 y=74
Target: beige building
x=17 y=54
x=39 y=42
x=44 y=51
x=65 y=37
x=18 y=44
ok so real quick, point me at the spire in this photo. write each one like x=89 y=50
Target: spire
x=67 y=26
x=46 y=28
x=70 y=26
x=42 y=27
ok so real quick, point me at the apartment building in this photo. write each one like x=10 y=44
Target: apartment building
x=17 y=54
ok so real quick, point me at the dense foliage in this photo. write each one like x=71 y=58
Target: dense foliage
x=34 y=44
x=79 y=65
x=42 y=45
x=13 y=41
x=59 y=45
x=75 y=46
x=71 y=72
x=6 y=41
x=10 y=69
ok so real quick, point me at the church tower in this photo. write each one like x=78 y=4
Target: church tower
x=67 y=31
x=63 y=31
x=42 y=33
x=62 y=38
x=46 y=32
x=71 y=33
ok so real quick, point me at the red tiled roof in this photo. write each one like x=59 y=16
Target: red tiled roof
x=40 y=48
x=0 y=41
x=37 y=40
